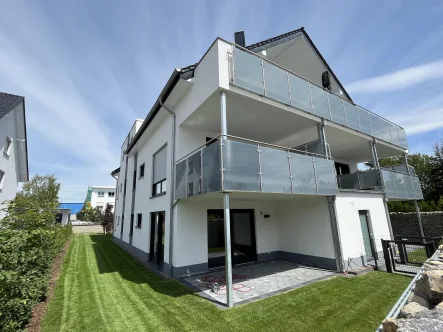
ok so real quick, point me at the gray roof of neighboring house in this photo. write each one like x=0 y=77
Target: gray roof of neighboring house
x=8 y=102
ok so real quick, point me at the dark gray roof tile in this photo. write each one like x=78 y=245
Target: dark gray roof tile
x=8 y=102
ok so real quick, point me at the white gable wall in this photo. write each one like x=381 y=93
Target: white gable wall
x=298 y=56
x=8 y=164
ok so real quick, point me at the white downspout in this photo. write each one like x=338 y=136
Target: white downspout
x=172 y=181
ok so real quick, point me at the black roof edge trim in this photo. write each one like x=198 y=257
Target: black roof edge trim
x=175 y=77
x=115 y=171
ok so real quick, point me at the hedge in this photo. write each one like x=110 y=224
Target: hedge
x=26 y=258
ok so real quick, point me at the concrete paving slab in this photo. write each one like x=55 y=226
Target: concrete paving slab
x=255 y=281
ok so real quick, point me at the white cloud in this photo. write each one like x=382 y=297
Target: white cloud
x=398 y=80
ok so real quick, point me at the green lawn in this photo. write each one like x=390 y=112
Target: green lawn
x=102 y=288
x=417 y=256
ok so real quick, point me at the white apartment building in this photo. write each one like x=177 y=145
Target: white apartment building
x=13 y=147
x=252 y=155
x=100 y=196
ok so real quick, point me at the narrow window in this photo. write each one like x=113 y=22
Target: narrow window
x=7 y=147
x=142 y=171
x=2 y=177
x=131 y=230
x=159 y=172
x=139 y=220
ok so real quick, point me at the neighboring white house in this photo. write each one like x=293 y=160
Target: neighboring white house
x=254 y=151
x=63 y=216
x=13 y=146
x=100 y=196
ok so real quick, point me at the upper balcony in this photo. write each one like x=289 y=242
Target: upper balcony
x=261 y=76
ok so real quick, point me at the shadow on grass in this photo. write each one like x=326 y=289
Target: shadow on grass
x=111 y=258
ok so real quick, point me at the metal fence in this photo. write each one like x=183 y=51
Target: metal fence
x=405 y=256
x=257 y=74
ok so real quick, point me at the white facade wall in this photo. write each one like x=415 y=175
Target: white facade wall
x=191 y=228
x=348 y=205
x=8 y=163
x=144 y=202
x=305 y=228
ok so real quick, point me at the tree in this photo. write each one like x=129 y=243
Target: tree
x=108 y=219
x=437 y=174
x=35 y=206
x=88 y=213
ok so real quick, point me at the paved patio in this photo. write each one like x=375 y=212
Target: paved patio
x=256 y=281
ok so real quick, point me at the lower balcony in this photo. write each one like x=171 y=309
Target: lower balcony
x=361 y=180
x=251 y=166
x=396 y=181
x=401 y=185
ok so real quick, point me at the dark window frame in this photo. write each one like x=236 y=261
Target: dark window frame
x=141 y=171
x=161 y=182
x=139 y=221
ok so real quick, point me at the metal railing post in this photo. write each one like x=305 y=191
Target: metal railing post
x=417 y=209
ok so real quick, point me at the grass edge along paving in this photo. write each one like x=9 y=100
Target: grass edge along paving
x=102 y=288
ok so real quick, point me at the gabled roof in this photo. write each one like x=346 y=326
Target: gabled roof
x=8 y=102
x=287 y=36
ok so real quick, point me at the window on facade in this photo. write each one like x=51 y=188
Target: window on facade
x=101 y=194
x=142 y=170
x=111 y=194
x=2 y=177
x=7 y=147
x=131 y=229
x=139 y=221
x=159 y=172
x=121 y=186
x=118 y=220
x=100 y=206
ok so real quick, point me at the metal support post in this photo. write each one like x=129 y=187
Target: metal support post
x=417 y=209
x=227 y=212
x=335 y=234
x=376 y=165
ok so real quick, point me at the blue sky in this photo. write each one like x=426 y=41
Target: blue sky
x=88 y=69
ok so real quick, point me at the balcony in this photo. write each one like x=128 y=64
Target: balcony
x=361 y=180
x=401 y=185
x=251 y=166
x=259 y=75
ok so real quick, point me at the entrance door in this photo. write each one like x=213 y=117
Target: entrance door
x=367 y=236
x=157 y=243
x=243 y=244
x=243 y=236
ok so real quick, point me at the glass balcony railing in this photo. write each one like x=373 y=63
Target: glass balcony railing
x=256 y=74
x=361 y=180
x=401 y=185
x=253 y=167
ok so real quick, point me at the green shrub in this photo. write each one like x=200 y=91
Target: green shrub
x=26 y=258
